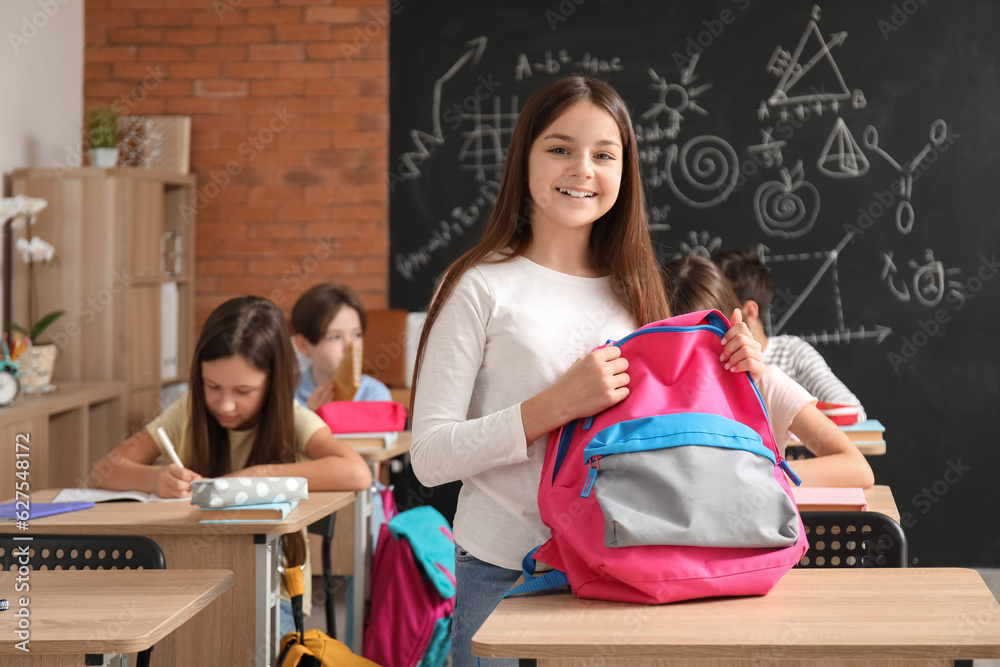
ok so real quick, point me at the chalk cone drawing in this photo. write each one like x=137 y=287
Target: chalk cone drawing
x=841 y=156
x=787 y=208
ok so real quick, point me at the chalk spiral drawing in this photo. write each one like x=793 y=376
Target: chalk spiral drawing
x=708 y=164
x=904 y=210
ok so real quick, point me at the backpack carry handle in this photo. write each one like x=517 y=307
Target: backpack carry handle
x=712 y=317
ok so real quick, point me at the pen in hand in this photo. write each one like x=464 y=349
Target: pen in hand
x=169 y=446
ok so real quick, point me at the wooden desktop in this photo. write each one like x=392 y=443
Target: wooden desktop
x=925 y=616
x=242 y=627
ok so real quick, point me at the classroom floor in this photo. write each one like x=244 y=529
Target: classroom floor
x=318 y=617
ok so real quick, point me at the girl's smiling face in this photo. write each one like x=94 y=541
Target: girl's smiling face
x=575 y=168
x=235 y=390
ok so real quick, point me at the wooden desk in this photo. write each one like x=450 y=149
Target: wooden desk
x=880 y=500
x=926 y=616
x=380 y=454
x=241 y=629
x=72 y=612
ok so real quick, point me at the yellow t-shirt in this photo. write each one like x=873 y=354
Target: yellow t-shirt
x=174 y=421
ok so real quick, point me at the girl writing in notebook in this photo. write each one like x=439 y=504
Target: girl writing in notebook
x=507 y=351
x=695 y=283
x=239 y=418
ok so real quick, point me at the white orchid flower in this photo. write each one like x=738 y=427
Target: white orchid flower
x=35 y=250
x=8 y=209
x=19 y=208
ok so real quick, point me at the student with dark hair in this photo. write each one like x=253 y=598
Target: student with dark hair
x=695 y=283
x=239 y=418
x=754 y=287
x=327 y=319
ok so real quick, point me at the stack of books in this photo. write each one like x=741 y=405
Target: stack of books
x=868 y=432
x=247 y=513
x=374 y=440
x=825 y=499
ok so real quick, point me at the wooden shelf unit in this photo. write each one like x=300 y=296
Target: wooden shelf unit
x=120 y=235
x=65 y=434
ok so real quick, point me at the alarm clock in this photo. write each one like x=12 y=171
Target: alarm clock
x=10 y=385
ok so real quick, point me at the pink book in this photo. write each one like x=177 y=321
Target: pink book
x=825 y=498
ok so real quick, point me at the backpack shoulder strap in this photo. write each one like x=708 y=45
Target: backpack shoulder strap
x=548 y=581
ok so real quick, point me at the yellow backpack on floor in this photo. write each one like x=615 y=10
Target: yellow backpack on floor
x=312 y=648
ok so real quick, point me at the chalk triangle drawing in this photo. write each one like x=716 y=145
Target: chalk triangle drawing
x=825 y=84
x=841 y=156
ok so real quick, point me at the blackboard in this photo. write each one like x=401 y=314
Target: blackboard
x=857 y=143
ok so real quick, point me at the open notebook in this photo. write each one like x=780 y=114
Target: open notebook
x=103 y=495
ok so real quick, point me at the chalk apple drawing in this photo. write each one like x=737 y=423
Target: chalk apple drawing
x=787 y=208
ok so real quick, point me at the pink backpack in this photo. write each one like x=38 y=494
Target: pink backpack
x=676 y=492
x=413 y=589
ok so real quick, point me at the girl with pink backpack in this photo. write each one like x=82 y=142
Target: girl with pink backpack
x=507 y=353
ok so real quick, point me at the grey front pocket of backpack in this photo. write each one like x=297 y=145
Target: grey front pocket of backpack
x=688 y=479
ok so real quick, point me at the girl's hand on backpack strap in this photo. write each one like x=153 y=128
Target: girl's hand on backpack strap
x=740 y=352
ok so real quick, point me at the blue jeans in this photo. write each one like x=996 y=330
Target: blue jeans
x=287 y=622
x=479 y=587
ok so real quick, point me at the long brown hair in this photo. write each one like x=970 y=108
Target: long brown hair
x=253 y=328
x=619 y=240
x=695 y=283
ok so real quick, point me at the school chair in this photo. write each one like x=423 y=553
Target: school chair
x=853 y=539
x=324 y=528
x=94 y=552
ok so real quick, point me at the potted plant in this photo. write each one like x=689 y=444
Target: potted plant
x=102 y=136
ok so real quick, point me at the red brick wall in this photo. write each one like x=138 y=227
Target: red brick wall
x=289 y=101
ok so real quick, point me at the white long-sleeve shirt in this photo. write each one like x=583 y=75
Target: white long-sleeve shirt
x=509 y=331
